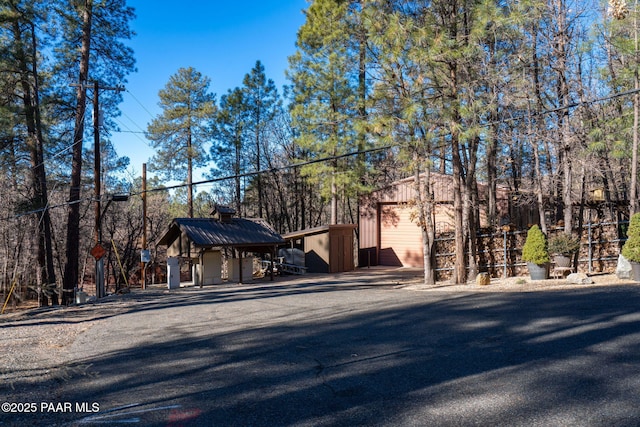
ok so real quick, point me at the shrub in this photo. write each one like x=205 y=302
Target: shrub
x=535 y=247
x=631 y=248
x=563 y=244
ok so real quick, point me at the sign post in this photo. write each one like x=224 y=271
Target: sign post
x=98 y=253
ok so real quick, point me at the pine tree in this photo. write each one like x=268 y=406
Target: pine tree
x=325 y=110
x=435 y=98
x=92 y=37
x=261 y=100
x=623 y=73
x=20 y=22
x=400 y=112
x=181 y=131
x=229 y=137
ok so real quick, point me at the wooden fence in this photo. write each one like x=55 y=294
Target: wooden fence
x=500 y=253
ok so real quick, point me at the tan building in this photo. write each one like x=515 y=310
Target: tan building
x=327 y=249
x=389 y=234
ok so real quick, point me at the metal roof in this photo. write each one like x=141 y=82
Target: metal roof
x=317 y=230
x=236 y=232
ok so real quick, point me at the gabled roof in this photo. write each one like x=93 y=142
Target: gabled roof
x=209 y=232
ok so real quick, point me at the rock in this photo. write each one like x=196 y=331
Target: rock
x=579 y=279
x=623 y=269
x=483 y=279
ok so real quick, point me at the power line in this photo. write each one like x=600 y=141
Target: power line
x=325 y=159
x=386 y=147
x=272 y=170
x=136 y=133
x=140 y=103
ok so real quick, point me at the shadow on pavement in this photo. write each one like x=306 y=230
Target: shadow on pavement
x=375 y=356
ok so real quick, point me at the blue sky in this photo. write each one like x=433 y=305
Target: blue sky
x=221 y=39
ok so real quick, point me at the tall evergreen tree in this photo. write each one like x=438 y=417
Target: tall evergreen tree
x=261 y=101
x=229 y=136
x=325 y=108
x=432 y=60
x=92 y=36
x=20 y=21
x=623 y=74
x=181 y=131
x=400 y=112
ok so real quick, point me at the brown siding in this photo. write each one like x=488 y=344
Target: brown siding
x=341 y=253
x=368 y=226
x=400 y=238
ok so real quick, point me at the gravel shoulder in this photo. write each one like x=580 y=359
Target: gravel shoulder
x=34 y=343
x=525 y=284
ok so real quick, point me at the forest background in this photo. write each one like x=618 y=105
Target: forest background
x=540 y=97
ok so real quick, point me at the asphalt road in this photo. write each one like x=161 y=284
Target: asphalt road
x=354 y=351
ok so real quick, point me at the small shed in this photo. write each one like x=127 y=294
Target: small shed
x=327 y=249
x=203 y=239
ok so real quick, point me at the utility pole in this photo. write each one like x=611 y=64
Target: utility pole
x=143 y=262
x=98 y=251
x=97 y=183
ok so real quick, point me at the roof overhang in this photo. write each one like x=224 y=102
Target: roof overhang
x=317 y=230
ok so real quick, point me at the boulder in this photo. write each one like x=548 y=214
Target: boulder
x=483 y=279
x=623 y=269
x=579 y=279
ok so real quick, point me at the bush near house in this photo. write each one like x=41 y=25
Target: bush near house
x=631 y=248
x=535 y=248
x=563 y=244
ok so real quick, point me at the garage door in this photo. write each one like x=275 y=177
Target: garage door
x=400 y=238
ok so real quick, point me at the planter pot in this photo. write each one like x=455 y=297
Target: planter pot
x=562 y=261
x=635 y=271
x=538 y=272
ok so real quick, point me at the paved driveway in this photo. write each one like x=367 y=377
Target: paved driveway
x=355 y=350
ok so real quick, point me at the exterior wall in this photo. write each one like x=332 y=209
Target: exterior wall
x=388 y=233
x=400 y=238
x=173 y=250
x=316 y=250
x=328 y=249
x=181 y=247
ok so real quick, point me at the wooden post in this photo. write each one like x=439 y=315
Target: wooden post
x=273 y=254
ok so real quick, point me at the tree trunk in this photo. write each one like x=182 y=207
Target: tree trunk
x=536 y=135
x=334 y=198
x=633 y=191
x=422 y=188
x=45 y=270
x=460 y=268
x=563 y=115
x=189 y=174
x=73 y=220
x=258 y=161
x=238 y=199
x=470 y=208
